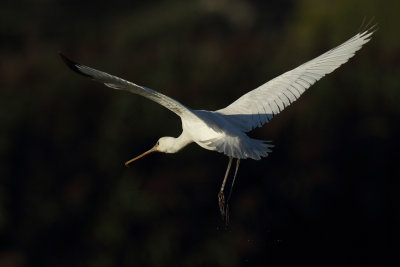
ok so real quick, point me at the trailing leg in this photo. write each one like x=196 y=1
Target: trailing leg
x=230 y=191
x=221 y=197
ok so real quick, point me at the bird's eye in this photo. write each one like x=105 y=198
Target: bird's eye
x=158 y=142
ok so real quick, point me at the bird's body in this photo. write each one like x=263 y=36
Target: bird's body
x=224 y=130
x=215 y=131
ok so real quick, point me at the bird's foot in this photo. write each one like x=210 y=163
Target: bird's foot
x=221 y=203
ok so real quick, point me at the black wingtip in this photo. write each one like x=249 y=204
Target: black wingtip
x=73 y=65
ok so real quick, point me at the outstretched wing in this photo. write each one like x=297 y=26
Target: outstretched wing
x=121 y=84
x=259 y=105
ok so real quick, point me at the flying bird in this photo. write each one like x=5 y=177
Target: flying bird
x=224 y=130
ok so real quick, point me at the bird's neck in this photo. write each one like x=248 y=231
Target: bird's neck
x=180 y=142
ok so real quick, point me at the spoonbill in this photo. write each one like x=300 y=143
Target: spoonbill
x=224 y=130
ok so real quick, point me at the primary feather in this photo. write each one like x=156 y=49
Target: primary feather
x=121 y=84
x=266 y=101
x=225 y=130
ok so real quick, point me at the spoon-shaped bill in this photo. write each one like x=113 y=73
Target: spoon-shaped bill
x=154 y=149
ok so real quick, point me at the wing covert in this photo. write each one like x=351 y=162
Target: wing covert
x=121 y=84
x=258 y=106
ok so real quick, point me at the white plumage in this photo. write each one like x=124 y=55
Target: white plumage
x=224 y=130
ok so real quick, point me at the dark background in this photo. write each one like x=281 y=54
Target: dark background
x=328 y=195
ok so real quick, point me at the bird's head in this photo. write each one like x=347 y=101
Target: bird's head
x=164 y=144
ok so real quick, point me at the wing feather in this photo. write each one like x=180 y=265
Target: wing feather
x=275 y=95
x=121 y=84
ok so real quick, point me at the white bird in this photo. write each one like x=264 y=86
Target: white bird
x=224 y=130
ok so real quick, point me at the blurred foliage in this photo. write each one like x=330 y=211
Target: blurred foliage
x=326 y=196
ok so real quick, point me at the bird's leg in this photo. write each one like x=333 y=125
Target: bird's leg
x=230 y=191
x=234 y=177
x=221 y=197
